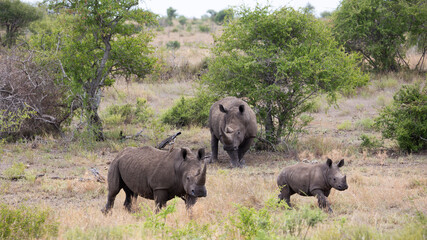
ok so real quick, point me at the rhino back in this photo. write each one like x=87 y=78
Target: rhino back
x=302 y=178
x=145 y=169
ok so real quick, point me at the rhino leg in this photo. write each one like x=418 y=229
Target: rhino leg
x=130 y=197
x=114 y=187
x=160 y=198
x=322 y=200
x=243 y=148
x=214 y=147
x=285 y=193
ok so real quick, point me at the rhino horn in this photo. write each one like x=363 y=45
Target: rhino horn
x=202 y=179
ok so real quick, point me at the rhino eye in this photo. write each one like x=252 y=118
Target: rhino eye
x=335 y=179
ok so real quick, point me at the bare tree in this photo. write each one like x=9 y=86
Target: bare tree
x=31 y=101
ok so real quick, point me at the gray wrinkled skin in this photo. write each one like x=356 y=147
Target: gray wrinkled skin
x=233 y=123
x=158 y=175
x=312 y=180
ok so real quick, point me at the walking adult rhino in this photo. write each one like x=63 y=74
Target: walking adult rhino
x=233 y=123
x=158 y=175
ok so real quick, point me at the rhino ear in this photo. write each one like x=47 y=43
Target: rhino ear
x=242 y=108
x=201 y=154
x=340 y=163
x=329 y=162
x=222 y=109
x=184 y=153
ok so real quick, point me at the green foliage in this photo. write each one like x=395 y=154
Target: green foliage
x=378 y=29
x=204 y=28
x=365 y=124
x=15 y=171
x=14 y=17
x=95 y=41
x=223 y=16
x=189 y=111
x=369 y=142
x=112 y=233
x=251 y=222
x=139 y=113
x=416 y=228
x=345 y=125
x=25 y=223
x=182 y=20
x=405 y=120
x=173 y=45
x=325 y=14
x=11 y=122
x=275 y=221
x=278 y=61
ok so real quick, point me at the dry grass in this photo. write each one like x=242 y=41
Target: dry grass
x=378 y=195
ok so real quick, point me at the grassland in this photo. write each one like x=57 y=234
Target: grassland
x=386 y=199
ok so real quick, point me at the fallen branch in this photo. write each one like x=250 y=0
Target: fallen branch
x=169 y=140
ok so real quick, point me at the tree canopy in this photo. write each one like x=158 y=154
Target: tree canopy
x=278 y=61
x=14 y=17
x=379 y=30
x=94 y=42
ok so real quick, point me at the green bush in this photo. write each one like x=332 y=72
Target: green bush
x=189 y=111
x=274 y=221
x=405 y=120
x=346 y=126
x=369 y=142
x=25 y=223
x=365 y=124
x=17 y=170
x=204 y=28
x=174 y=45
x=139 y=113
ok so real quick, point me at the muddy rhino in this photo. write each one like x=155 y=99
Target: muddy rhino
x=312 y=180
x=232 y=122
x=158 y=175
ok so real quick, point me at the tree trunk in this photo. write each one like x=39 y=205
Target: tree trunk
x=269 y=129
x=94 y=121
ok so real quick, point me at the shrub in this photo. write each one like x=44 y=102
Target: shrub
x=25 y=223
x=139 y=113
x=204 y=28
x=31 y=100
x=365 y=124
x=346 y=126
x=188 y=111
x=405 y=120
x=17 y=170
x=369 y=142
x=266 y=224
x=174 y=45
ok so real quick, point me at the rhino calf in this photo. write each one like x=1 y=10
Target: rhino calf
x=312 y=180
x=158 y=175
x=232 y=122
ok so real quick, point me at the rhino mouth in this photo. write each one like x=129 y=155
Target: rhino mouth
x=342 y=187
x=198 y=192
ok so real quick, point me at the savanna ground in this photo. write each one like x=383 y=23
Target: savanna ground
x=387 y=193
